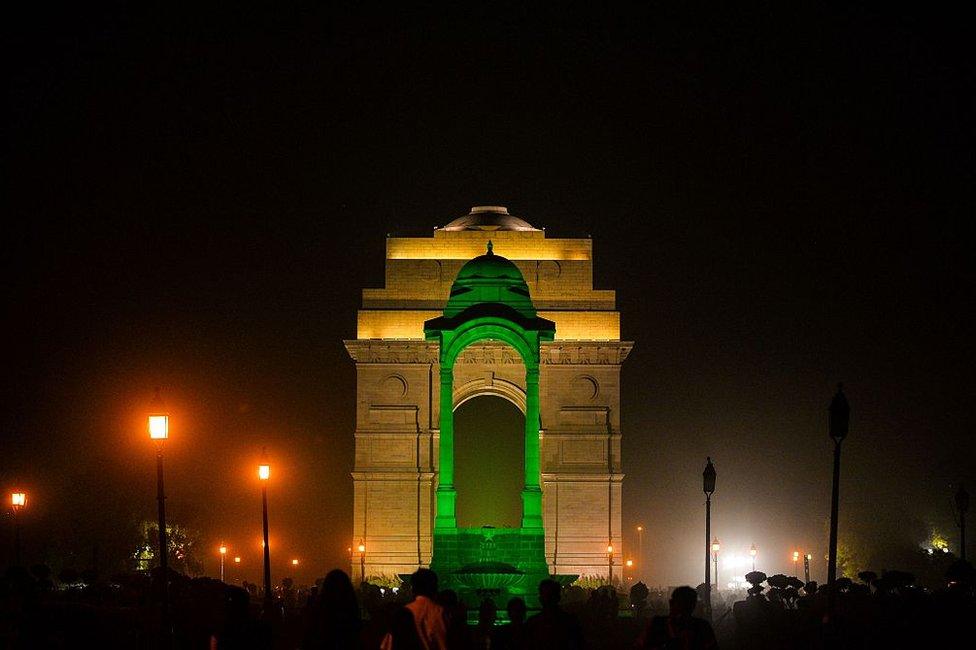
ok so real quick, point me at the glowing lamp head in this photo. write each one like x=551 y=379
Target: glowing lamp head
x=640 y=529
x=264 y=471
x=610 y=549
x=796 y=555
x=294 y=562
x=237 y=560
x=716 y=546
x=18 y=500
x=361 y=548
x=809 y=557
x=223 y=550
x=159 y=427
x=753 y=551
x=630 y=563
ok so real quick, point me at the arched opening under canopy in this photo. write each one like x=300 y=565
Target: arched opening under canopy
x=489 y=453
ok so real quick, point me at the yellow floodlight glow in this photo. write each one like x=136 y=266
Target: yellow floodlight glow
x=159 y=427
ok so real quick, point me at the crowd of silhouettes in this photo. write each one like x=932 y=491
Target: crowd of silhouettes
x=38 y=610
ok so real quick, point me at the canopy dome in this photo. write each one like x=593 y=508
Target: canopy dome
x=489 y=218
x=490 y=267
x=489 y=278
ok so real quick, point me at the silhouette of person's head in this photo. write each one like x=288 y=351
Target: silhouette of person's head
x=549 y=593
x=683 y=600
x=516 y=610
x=423 y=582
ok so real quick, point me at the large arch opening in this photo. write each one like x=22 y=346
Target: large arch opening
x=489 y=453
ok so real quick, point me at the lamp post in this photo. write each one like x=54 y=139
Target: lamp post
x=223 y=553
x=610 y=564
x=806 y=567
x=838 y=422
x=158 y=427
x=752 y=553
x=708 y=487
x=18 y=500
x=962 y=504
x=640 y=551
x=716 y=547
x=362 y=561
x=264 y=474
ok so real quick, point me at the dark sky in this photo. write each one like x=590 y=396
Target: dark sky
x=782 y=198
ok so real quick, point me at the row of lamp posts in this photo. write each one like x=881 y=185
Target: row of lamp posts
x=839 y=415
x=158 y=427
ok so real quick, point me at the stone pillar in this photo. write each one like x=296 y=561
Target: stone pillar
x=532 y=493
x=446 y=494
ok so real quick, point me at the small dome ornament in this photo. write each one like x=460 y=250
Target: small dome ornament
x=490 y=248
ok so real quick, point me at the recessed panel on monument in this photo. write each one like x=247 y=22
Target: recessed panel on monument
x=488 y=409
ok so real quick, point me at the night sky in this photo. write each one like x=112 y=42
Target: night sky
x=194 y=199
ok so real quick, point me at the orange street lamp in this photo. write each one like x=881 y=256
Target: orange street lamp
x=362 y=561
x=796 y=557
x=18 y=500
x=640 y=546
x=610 y=563
x=237 y=559
x=753 y=552
x=223 y=552
x=294 y=562
x=264 y=473
x=157 y=424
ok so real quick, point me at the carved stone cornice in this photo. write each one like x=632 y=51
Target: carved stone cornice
x=585 y=353
x=388 y=351
x=426 y=352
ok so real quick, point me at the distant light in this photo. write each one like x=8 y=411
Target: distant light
x=237 y=560
x=223 y=550
x=264 y=472
x=796 y=555
x=716 y=546
x=931 y=551
x=294 y=562
x=395 y=590
x=158 y=427
x=630 y=563
x=753 y=551
x=640 y=529
x=610 y=548
x=809 y=557
x=18 y=500
x=945 y=549
x=362 y=548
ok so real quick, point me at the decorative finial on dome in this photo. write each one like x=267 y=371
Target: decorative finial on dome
x=490 y=247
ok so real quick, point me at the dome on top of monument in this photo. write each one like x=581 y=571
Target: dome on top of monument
x=490 y=267
x=489 y=217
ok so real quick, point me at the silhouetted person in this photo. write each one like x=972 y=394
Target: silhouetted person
x=679 y=629
x=334 y=621
x=456 y=620
x=552 y=627
x=420 y=624
x=487 y=614
x=511 y=636
x=239 y=630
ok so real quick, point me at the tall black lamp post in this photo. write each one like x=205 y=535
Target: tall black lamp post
x=264 y=474
x=158 y=426
x=962 y=504
x=18 y=500
x=839 y=419
x=708 y=486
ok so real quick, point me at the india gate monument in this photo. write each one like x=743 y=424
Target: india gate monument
x=485 y=310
